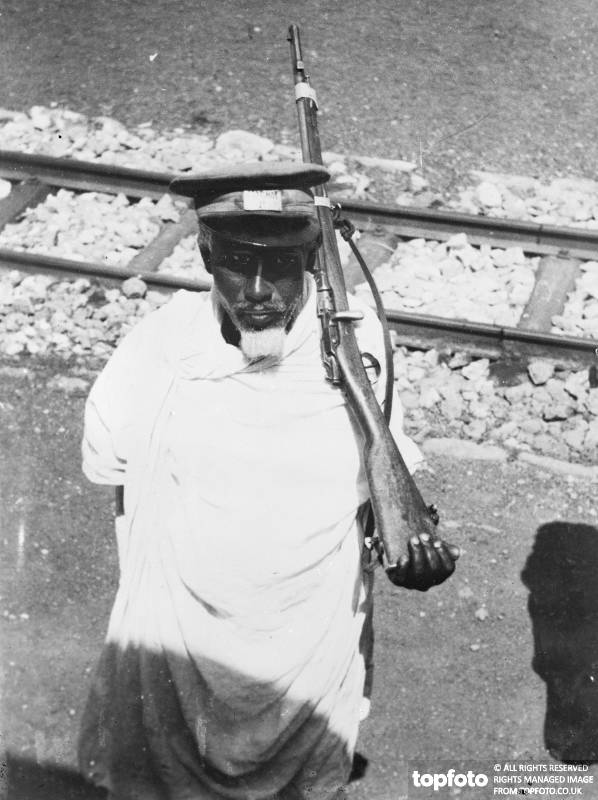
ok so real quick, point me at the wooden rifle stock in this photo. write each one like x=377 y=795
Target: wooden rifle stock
x=398 y=506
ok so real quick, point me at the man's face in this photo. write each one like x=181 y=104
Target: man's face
x=262 y=291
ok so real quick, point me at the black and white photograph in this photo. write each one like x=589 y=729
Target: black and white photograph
x=298 y=400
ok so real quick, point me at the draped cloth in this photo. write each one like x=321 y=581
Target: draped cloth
x=232 y=668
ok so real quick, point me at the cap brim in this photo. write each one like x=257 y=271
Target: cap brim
x=254 y=176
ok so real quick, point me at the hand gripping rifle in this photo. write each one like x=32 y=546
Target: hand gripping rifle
x=398 y=506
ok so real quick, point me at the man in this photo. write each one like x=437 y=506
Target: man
x=232 y=666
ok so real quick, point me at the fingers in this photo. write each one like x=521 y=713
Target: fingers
x=398 y=573
x=428 y=563
x=454 y=551
x=417 y=554
x=445 y=556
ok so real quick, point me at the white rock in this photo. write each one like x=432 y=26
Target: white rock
x=429 y=397
x=540 y=371
x=592 y=402
x=455 y=448
x=575 y=438
x=134 y=287
x=488 y=195
x=591 y=438
x=476 y=369
x=457 y=241
x=557 y=411
x=417 y=183
x=41 y=117
x=514 y=207
x=248 y=145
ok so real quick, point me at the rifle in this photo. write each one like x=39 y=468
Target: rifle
x=398 y=507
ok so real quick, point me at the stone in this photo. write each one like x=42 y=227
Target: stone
x=476 y=370
x=479 y=410
x=417 y=183
x=452 y=408
x=6 y=294
x=429 y=397
x=591 y=437
x=40 y=117
x=36 y=286
x=134 y=287
x=13 y=344
x=386 y=164
x=548 y=445
x=514 y=207
x=488 y=195
x=517 y=394
x=455 y=448
x=476 y=429
x=575 y=438
x=409 y=399
x=22 y=305
x=506 y=429
x=540 y=371
x=5 y=188
x=591 y=402
x=14 y=277
x=80 y=285
x=457 y=240
x=416 y=374
x=557 y=411
x=249 y=146
x=577 y=383
x=559 y=466
x=460 y=359
x=532 y=426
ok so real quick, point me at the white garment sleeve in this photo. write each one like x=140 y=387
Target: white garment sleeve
x=115 y=402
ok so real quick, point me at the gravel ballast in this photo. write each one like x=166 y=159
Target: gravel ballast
x=550 y=411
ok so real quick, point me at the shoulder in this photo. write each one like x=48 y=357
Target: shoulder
x=152 y=343
x=179 y=311
x=159 y=330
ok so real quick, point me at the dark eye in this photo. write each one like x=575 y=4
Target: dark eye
x=240 y=260
x=289 y=262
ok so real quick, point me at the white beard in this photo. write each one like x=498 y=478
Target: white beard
x=265 y=344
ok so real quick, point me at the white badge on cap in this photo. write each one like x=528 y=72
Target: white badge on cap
x=264 y=200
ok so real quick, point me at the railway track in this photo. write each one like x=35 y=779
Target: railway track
x=35 y=177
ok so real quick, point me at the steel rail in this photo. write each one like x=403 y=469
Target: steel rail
x=483 y=335
x=414 y=325
x=70 y=173
x=51 y=265
x=405 y=221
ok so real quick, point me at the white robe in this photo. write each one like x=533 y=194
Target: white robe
x=232 y=666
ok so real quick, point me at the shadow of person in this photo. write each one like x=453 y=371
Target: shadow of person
x=25 y=779
x=160 y=723
x=561 y=574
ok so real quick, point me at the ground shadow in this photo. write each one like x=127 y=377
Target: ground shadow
x=561 y=574
x=25 y=779
x=158 y=723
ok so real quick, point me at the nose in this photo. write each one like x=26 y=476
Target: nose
x=257 y=289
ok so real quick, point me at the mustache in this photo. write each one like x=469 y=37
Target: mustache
x=260 y=308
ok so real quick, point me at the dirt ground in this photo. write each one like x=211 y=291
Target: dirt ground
x=454 y=677
x=453 y=85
